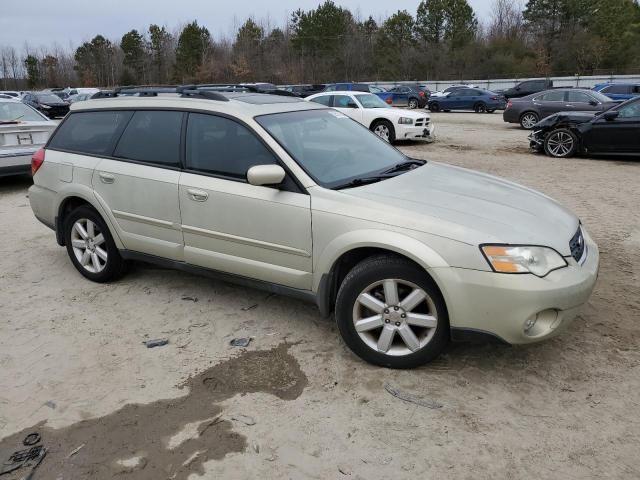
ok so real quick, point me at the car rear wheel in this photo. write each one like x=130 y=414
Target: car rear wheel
x=491 y=110
x=434 y=106
x=480 y=107
x=91 y=247
x=528 y=120
x=390 y=313
x=561 y=143
x=413 y=103
x=384 y=130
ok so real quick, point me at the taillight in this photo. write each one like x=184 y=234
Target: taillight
x=494 y=98
x=509 y=104
x=36 y=161
x=389 y=101
x=421 y=93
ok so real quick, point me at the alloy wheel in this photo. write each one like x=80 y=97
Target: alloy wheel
x=528 y=120
x=413 y=104
x=560 y=144
x=395 y=317
x=382 y=131
x=88 y=245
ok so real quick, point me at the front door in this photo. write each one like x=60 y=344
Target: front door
x=619 y=135
x=258 y=232
x=140 y=189
x=347 y=105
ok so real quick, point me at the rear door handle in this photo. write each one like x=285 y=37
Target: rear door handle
x=197 y=195
x=106 y=177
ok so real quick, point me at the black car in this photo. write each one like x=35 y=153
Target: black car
x=304 y=91
x=614 y=131
x=529 y=110
x=528 y=87
x=409 y=96
x=48 y=103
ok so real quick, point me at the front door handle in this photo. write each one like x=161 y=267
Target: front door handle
x=106 y=177
x=197 y=195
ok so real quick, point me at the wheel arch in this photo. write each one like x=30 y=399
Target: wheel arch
x=380 y=119
x=74 y=199
x=343 y=253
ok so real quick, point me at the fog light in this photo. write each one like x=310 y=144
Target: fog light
x=529 y=324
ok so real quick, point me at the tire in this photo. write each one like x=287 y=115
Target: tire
x=427 y=331
x=528 y=120
x=98 y=259
x=434 y=106
x=480 y=107
x=491 y=110
x=384 y=129
x=413 y=103
x=561 y=143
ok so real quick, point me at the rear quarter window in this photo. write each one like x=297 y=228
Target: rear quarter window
x=89 y=132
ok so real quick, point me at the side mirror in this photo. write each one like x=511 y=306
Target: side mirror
x=593 y=103
x=611 y=115
x=265 y=175
x=518 y=88
x=352 y=105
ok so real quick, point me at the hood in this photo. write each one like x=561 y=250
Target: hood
x=562 y=117
x=396 y=113
x=470 y=207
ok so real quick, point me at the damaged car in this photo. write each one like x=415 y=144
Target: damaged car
x=613 y=132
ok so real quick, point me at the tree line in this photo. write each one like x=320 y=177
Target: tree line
x=442 y=39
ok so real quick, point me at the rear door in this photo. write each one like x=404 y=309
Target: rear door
x=232 y=226
x=139 y=183
x=400 y=96
x=550 y=102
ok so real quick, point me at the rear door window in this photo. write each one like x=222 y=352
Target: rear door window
x=223 y=147
x=323 y=100
x=90 y=132
x=152 y=137
x=578 y=97
x=557 y=96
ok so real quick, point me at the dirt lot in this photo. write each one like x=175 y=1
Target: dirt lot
x=296 y=403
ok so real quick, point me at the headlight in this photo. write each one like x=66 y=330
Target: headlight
x=405 y=121
x=523 y=259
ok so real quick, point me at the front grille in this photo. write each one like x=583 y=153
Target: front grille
x=576 y=245
x=422 y=122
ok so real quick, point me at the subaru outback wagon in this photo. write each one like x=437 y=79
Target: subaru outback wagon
x=297 y=198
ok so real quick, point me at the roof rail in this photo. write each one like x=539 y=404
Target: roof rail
x=209 y=95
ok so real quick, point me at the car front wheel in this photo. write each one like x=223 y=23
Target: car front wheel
x=390 y=313
x=384 y=130
x=434 y=106
x=91 y=247
x=561 y=143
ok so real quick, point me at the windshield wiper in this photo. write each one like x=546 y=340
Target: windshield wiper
x=406 y=165
x=357 y=182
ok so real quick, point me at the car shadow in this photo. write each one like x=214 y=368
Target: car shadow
x=15 y=183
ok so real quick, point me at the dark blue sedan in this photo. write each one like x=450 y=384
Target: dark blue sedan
x=475 y=99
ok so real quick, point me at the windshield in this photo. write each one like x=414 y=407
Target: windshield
x=10 y=111
x=49 y=97
x=329 y=146
x=371 y=101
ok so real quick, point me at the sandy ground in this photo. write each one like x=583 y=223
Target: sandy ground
x=296 y=403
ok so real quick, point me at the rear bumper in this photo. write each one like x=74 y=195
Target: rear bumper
x=501 y=305
x=510 y=116
x=16 y=163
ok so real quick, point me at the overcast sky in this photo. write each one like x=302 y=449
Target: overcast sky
x=70 y=22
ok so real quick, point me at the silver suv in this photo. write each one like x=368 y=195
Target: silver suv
x=299 y=199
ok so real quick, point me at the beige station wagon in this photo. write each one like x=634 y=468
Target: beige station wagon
x=299 y=199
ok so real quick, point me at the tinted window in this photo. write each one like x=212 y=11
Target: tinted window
x=616 y=89
x=578 y=97
x=224 y=147
x=636 y=89
x=89 y=132
x=343 y=101
x=152 y=136
x=323 y=100
x=557 y=96
x=49 y=97
x=630 y=111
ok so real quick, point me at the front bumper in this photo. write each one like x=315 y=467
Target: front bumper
x=16 y=162
x=502 y=304
x=410 y=132
x=536 y=140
